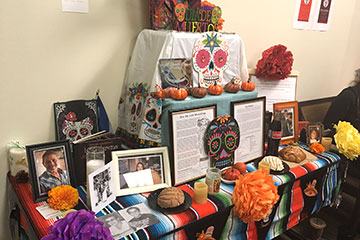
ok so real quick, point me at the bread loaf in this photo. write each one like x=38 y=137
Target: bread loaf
x=170 y=197
x=292 y=154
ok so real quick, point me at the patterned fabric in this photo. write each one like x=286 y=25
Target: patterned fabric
x=295 y=204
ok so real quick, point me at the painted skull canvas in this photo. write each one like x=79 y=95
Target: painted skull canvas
x=75 y=119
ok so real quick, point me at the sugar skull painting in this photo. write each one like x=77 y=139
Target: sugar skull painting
x=222 y=138
x=151 y=126
x=180 y=12
x=210 y=58
x=137 y=96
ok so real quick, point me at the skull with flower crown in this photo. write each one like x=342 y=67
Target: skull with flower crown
x=210 y=58
x=222 y=138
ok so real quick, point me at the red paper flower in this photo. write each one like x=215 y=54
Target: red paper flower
x=71 y=116
x=275 y=64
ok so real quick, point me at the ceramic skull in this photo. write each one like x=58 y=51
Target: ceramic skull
x=151 y=125
x=180 y=12
x=210 y=58
x=76 y=130
x=222 y=138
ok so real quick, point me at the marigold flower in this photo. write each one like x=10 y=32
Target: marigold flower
x=317 y=148
x=63 y=197
x=254 y=195
x=347 y=139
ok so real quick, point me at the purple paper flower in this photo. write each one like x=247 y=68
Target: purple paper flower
x=79 y=225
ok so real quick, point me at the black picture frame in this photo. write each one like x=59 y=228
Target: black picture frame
x=61 y=149
x=260 y=138
x=173 y=158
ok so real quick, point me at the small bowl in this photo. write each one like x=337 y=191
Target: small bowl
x=225 y=180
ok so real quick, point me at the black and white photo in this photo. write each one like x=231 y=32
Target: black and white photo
x=139 y=216
x=117 y=225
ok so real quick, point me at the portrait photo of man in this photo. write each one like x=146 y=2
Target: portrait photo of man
x=51 y=173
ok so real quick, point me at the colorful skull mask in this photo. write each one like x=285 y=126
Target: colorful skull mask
x=151 y=125
x=180 y=12
x=222 y=138
x=210 y=58
x=216 y=14
x=76 y=130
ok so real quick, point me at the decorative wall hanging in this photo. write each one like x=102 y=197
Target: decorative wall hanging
x=222 y=138
x=185 y=16
x=75 y=119
x=275 y=64
x=210 y=58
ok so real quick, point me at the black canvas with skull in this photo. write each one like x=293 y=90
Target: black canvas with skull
x=222 y=138
x=76 y=119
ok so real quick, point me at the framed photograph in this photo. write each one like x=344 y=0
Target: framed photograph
x=176 y=72
x=314 y=132
x=189 y=159
x=250 y=115
x=141 y=170
x=289 y=121
x=50 y=166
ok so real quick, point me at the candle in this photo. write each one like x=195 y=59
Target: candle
x=213 y=180
x=200 y=192
x=326 y=142
x=17 y=160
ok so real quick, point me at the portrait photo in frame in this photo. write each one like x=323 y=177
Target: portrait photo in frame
x=50 y=165
x=140 y=170
x=250 y=115
x=314 y=132
x=188 y=157
x=289 y=121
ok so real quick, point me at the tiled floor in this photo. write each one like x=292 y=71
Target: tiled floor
x=333 y=217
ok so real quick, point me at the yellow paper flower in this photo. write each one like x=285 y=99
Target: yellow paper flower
x=63 y=197
x=347 y=139
x=317 y=148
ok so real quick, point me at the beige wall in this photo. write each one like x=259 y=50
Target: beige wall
x=47 y=56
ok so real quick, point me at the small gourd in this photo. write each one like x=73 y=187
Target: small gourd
x=215 y=89
x=248 y=86
x=198 y=92
x=179 y=94
x=232 y=87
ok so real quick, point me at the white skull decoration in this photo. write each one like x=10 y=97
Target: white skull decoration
x=210 y=58
x=151 y=126
x=76 y=130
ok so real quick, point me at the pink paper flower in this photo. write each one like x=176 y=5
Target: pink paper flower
x=71 y=116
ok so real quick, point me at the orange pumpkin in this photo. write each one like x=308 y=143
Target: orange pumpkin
x=215 y=89
x=247 y=86
x=166 y=93
x=232 y=87
x=179 y=94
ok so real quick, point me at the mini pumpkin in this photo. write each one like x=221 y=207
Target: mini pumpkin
x=232 y=87
x=215 y=89
x=166 y=93
x=248 y=86
x=198 y=92
x=179 y=94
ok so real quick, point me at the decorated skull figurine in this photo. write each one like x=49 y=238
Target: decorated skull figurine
x=76 y=130
x=151 y=126
x=222 y=138
x=210 y=58
x=180 y=12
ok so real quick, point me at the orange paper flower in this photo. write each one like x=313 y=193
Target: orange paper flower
x=317 y=148
x=254 y=196
x=63 y=197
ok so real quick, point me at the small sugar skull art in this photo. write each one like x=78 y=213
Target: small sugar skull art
x=138 y=94
x=210 y=58
x=151 y=125
x=222 y=138
x=180 y=12
x=216 y=14
x=76 y=130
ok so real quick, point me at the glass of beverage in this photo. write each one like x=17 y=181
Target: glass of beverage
x=213 y=179
x=95 y=159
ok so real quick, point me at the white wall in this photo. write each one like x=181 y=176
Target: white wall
x=47 y=56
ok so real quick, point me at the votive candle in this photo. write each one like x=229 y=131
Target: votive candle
x=200 y=192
